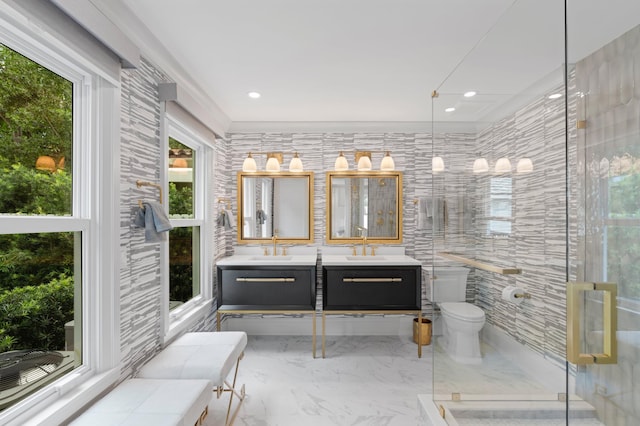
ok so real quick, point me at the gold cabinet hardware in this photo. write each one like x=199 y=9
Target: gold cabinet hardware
x=372 y=280
x=265 y=280
x=610 y=323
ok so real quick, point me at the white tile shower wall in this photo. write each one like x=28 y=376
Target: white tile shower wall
x=536 y=243
x=140 y=290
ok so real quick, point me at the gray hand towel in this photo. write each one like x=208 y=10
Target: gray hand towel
x=154 y=220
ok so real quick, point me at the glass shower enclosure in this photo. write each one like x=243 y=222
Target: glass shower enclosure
x=536 y=189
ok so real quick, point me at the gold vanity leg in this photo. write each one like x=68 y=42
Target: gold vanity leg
x=218 y=320
x=420 y=335
x=313 y=338
x=323 y=326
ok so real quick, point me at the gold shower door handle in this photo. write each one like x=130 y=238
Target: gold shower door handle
x=610 y=323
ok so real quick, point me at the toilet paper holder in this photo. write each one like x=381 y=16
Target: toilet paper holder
x=522 y=296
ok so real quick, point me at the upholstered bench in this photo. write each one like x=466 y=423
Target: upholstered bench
x=202 y=355
x=152 y=403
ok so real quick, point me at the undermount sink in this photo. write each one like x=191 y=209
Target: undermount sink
x=366 y=258
x=271 y=258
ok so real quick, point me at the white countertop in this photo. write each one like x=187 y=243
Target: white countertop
x=330 y=256
x=377 y=260
x=262 y=260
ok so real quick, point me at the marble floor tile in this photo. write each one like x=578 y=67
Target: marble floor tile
x=364 y=380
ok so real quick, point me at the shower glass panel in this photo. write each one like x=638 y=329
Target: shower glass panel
x=604 y=200
x=498 y=209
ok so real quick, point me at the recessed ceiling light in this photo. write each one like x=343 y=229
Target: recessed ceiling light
x=450 y=109
x=555 y=96
x=254 y=95
x=469 y=94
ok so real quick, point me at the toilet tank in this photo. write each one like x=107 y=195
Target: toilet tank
x=450 y=284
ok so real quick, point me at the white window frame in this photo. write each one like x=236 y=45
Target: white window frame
x=195 y=310
x=96 y=173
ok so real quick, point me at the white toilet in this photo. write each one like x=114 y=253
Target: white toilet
x=462 y=321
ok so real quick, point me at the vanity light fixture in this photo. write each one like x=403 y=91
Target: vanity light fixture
x=387 y=164
x=273 y=161
x=341 y=164
x=480 y=165
x=296 y=164
x=364 y=161
x=249 y=164
x=503 y=165
x=437 y=164
x=525 y=165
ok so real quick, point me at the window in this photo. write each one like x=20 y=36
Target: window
x=40 y=272
x=55 y=233
x=622 y=234
x=184 y=238
x=499 y=207
x=187 y=266
x=40 y=260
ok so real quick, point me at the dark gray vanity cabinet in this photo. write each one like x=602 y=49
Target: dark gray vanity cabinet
x=264 y=288
x=362 y=288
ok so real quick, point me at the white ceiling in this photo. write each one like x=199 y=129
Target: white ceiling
x=373 y=60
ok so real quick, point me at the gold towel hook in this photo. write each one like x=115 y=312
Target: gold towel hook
x=140 y=183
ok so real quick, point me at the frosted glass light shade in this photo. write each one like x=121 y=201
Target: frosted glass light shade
x=272 y=165
x=341 y=164
x=296 y=164
x=525 y=165
x=480 y=165
x=249 y=164
x=437 y=164
x=503 y=165
x=387 y=164
x=364 y=164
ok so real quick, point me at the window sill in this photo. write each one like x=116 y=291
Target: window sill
x=58 y=409
x=187 y=318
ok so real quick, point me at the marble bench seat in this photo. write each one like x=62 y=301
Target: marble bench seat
x=202 y=355
x=144 y=402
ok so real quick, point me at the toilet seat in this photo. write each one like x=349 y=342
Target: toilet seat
x=462 y=310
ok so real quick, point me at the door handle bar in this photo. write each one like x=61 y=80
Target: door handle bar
x=610 y=323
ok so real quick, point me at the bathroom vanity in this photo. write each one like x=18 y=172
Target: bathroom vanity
x=381 y=284
x=259 y=284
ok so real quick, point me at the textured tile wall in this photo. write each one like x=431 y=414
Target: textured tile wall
x=140 y=288
x=318 y=151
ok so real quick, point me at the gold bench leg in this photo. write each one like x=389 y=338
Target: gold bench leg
x=231 y=388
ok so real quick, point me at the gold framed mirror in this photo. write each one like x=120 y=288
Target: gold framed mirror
x=275 y=204
x=368 y=203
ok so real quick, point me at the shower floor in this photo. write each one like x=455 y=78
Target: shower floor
x=501 y=392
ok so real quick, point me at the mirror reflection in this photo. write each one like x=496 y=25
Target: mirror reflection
x=364 y=205
x=275 y=204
